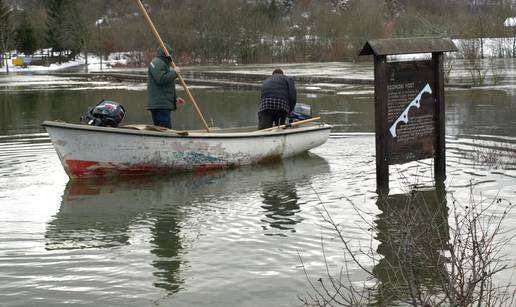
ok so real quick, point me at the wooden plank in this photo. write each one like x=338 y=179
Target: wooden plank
x=154 y=128
x=380 y=115
x=440 y=144
x=392 y=46
x=293 y=124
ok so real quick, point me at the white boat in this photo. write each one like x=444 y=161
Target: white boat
x=89 y=151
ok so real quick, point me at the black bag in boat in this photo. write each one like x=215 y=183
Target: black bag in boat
x=105 y=114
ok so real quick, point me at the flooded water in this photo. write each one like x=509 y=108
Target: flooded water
x=228 y=238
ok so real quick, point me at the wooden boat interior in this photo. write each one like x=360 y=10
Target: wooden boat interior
x=144 y=127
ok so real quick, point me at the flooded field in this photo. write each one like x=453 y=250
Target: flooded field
x=228 y=238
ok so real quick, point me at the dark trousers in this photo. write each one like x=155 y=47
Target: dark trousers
x=162 y=118
x=269 y=118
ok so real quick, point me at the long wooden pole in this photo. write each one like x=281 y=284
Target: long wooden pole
x=298 y=123
x=181 y=80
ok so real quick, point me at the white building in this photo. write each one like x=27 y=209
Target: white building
x=510 y=22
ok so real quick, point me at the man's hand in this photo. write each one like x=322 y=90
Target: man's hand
x=180 y=101
x=177 y=70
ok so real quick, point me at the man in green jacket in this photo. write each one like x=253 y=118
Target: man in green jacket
x=161 y=91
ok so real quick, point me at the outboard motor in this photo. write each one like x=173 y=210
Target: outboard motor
x=104 y=114
x=301 y=112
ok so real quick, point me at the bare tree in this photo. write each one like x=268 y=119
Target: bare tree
x=470 y=51
x=225 y=31
x=6 y=33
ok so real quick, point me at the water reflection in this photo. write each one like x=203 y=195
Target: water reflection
x=481 y=111
x=108 y=213
x=280 y=201
x=170 y=213
x=166 y=239
x=93 y=214
x=412 y=233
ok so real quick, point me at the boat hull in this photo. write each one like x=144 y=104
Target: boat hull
x=87 y=151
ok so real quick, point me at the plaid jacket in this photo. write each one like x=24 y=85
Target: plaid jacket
x=274 y=103
x=278 y=86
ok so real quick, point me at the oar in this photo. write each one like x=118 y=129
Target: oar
x=181 y=80
x=301 y=122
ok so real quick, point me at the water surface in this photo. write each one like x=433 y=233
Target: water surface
x=229 y=238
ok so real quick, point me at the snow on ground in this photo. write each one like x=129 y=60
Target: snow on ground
x=461 y=72
x=94 y=64
x=325 y=69
x=492 y=47
x=37 y=82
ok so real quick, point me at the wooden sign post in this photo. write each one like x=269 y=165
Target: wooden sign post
x=409 y=104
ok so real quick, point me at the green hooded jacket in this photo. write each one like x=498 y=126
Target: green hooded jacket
x=161 y=91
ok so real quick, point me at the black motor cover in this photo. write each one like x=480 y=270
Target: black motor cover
x=105 y=114
x=301 y=112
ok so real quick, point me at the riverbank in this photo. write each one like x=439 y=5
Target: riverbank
x=332 y=78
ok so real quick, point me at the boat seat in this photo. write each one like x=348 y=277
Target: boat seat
x=153 y=128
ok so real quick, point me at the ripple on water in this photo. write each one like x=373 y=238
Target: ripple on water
x=25 y=155
x=187 y=239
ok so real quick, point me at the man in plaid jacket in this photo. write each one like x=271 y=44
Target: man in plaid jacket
x=278 y=99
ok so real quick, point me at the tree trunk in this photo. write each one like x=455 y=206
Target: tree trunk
x=85 y=61
x=481 y=47
x=513 y=47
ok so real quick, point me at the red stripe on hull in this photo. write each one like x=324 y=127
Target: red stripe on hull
x=208 y=167
x=81 y=168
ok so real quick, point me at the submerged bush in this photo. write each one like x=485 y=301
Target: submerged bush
x=430 y=253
